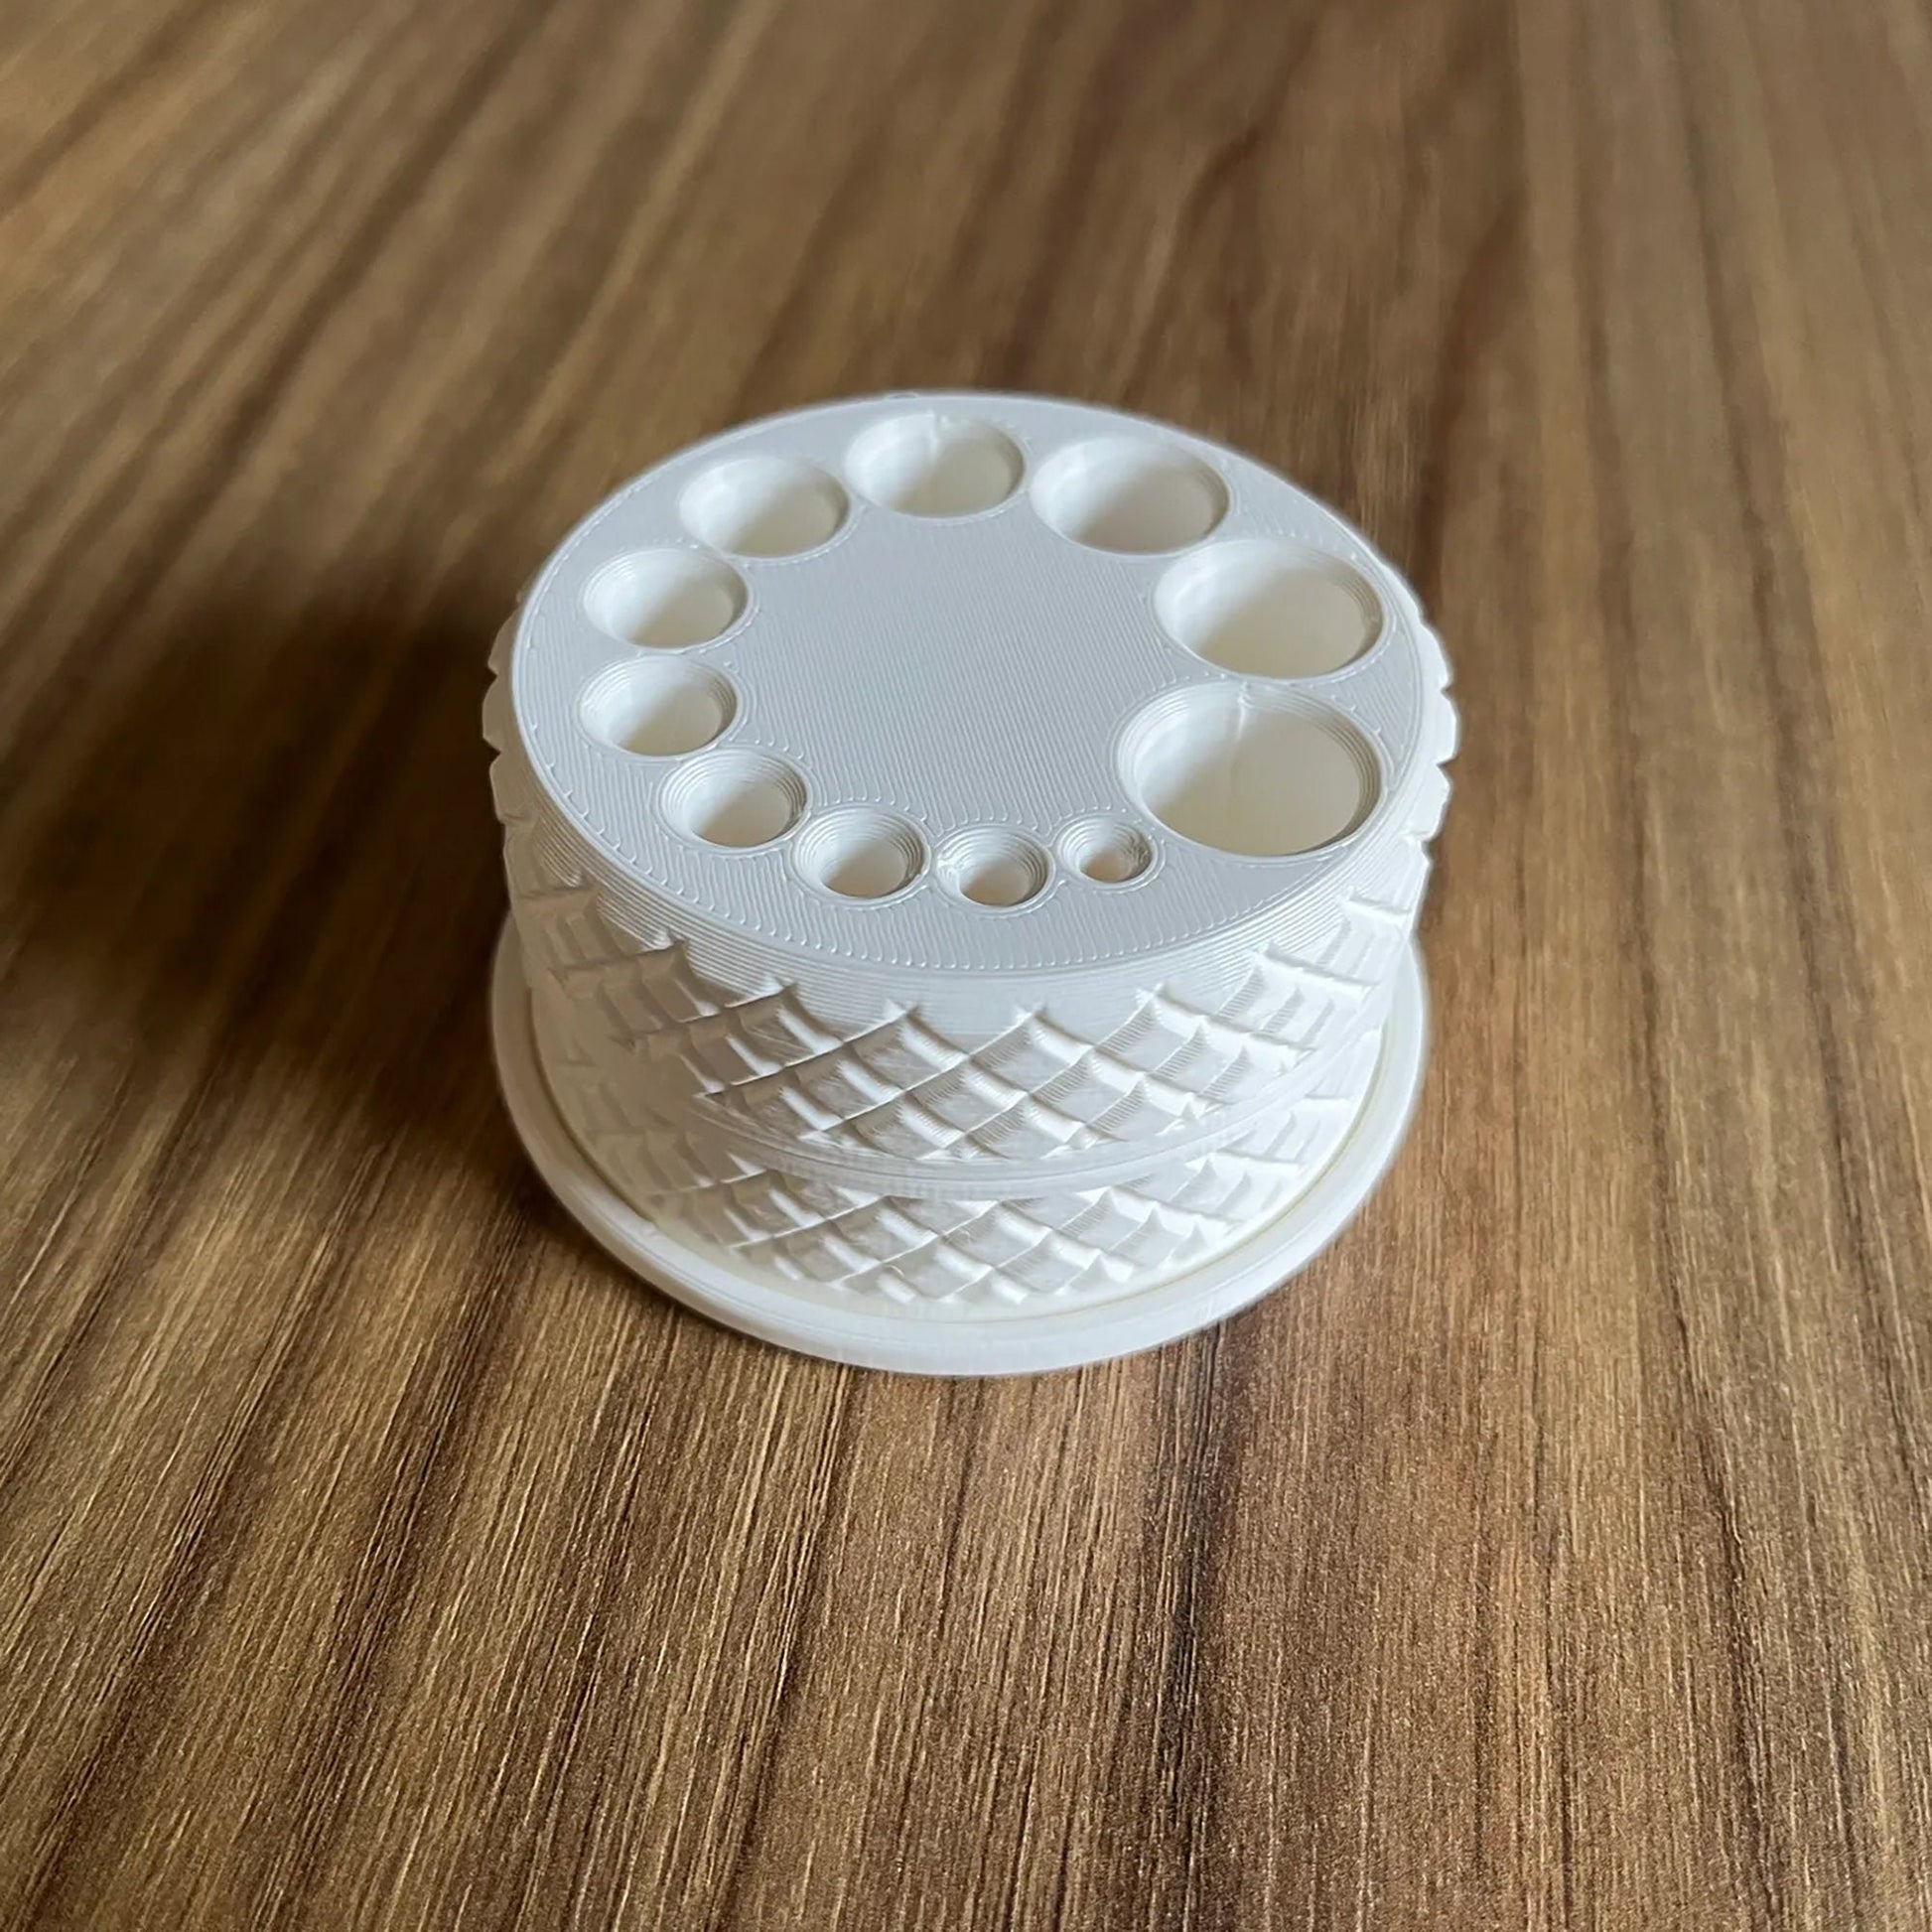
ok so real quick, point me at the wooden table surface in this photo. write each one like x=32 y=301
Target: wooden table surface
x=1557 y=1551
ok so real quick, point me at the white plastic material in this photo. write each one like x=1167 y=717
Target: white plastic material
x=953 y=1338
x=964 y=852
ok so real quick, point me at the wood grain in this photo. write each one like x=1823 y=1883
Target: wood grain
x=1556 y=1552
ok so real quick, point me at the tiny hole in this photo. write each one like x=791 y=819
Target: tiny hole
x=1106 y=851
x=994 y=868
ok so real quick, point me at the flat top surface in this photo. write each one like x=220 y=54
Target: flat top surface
x=976 y=674
x=1556 y=1553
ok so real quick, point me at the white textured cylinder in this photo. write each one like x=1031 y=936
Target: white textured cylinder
x=964 y=850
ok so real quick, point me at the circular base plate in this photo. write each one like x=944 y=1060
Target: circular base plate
x=936 y=1341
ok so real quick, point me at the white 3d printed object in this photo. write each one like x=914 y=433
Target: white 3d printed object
x=964 y=854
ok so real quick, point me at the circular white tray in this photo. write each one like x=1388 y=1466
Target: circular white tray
x=977 y=703
x=927 y=1340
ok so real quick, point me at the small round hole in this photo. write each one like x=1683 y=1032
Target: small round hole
x=659 y=707
x=763 y=507
x=1269 y=610
x=994 y=867
x=1130 y=493
x=934 y=466
x=861 y=854
x=666 y=598
x=736 y=798
x=1248 y=772
x=1106 y=851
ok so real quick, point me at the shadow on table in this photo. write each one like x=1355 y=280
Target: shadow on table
x=249 y=845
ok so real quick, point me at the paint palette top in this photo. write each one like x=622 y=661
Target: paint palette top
x=935 y=685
